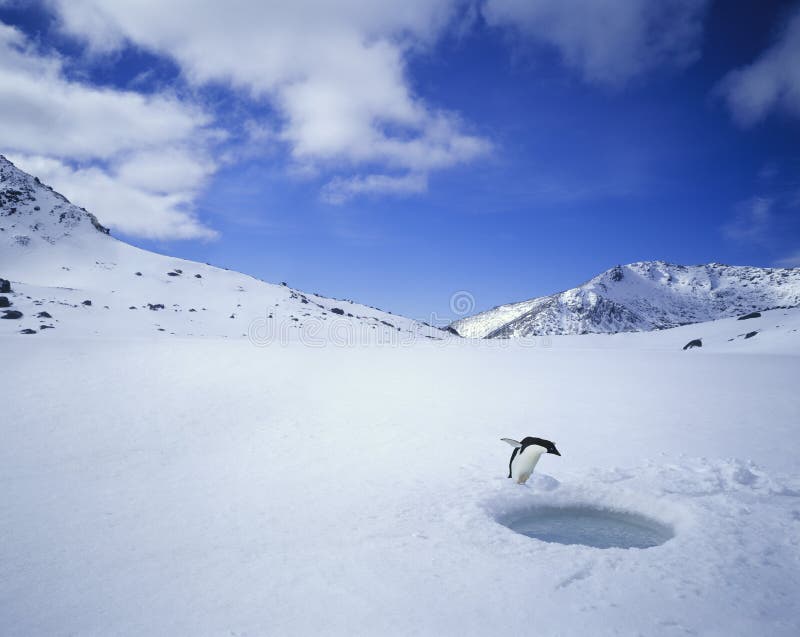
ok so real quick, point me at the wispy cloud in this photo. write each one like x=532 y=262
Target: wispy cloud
x=771 y=82
x=340 y=190
x=608 y=41
x=752 y=221
x=790 y=261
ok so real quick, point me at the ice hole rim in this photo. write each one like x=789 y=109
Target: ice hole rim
x=655 y=531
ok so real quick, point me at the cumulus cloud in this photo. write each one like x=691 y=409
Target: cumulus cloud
x=771 y=82
x=164 y=171
x=608 y=41
x=142 y=158
x=340 y=189
x=41 y=109
x=336 y=71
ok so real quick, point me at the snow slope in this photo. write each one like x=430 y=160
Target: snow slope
x=189 y=486
x=58 y=255
x=773 y=332
x=642 y=296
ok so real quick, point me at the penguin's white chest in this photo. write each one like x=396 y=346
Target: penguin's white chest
x=525 y=462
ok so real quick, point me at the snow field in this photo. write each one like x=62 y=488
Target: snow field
x=186 y=486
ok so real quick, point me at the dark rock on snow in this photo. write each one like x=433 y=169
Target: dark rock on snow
x=4 y=302
x=11 y=314
x=337 y=310
x=752 y=315
x=5 y=286
x=695 y=343
x=87 y=303
x=43 y=315
x=28 y=330
x=750 y=334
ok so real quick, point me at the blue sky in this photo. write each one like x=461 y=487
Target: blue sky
x=398 y=153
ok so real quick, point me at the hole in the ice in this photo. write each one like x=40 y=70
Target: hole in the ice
x=589 y=526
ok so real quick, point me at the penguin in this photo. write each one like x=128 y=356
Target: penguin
x=525 y=456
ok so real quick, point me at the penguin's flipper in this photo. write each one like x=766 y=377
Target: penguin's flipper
x=511 y=462
x=512 y=442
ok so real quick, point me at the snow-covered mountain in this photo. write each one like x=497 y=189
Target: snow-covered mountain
x=642 y=296
x=68 y=274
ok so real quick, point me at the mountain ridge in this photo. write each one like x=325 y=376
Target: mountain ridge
x=64 y=262
x=61 y=255
x=641 y=296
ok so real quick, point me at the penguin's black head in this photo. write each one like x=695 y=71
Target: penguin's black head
x=550 y=446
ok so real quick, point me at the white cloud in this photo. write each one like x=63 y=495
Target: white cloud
x=771 y=82
x=164 y=171
x=608 y=41
x=335 y=70
x=752 y=221
x=122 y=205
x=42 y=110
x=340 y=189
x=143 y=158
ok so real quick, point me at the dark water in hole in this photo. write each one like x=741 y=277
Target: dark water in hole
x=600 y=528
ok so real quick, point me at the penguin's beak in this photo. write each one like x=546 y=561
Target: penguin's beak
x=555 y=452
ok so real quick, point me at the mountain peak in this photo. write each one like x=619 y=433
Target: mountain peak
x=32 y=212
x=641 y=296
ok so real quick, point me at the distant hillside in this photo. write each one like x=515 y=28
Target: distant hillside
x=68 y=274
x=642 y=296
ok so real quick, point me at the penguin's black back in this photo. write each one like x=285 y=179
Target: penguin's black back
x=530 y=440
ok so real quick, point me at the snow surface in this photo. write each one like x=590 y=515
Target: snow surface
x=165 y=485
x=642 y=296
